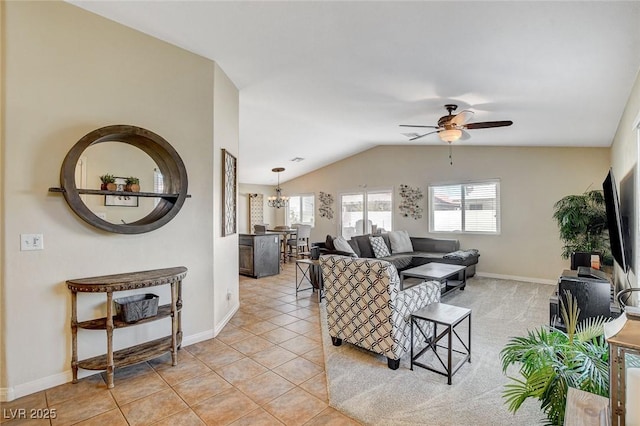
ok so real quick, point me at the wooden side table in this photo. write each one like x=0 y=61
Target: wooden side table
x=623 y=336
x=449 y=316
x=139 y=353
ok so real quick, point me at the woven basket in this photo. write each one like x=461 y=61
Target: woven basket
x=134 y=308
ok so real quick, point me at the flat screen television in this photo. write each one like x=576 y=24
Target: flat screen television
x=614 y=222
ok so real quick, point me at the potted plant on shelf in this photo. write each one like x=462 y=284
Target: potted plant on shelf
x=132 y=184
x=582 y=220
x=550 y=360
x=108 y=182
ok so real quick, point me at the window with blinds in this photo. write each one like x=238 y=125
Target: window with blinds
x=366 y=212
x=158 y=185
x=301 y=210
x=472 y=207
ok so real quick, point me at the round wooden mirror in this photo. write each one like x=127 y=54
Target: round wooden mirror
x=161 y=152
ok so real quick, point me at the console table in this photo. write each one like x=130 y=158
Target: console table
x=139 y=353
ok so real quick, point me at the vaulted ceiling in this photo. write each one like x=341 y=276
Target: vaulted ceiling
x=325 y=80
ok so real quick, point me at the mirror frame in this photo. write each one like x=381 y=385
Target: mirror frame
x=166 y=158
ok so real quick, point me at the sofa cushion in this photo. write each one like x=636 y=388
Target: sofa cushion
x=379 y=247
x=434 y=245
x=400 y=242
x=400 y=261
x=364 y=245
x=354 y=247
x=342 y=245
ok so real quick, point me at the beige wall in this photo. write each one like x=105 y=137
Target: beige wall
x=66 y=72
x=625 y=154
x=243 y=205
x=225 y=249
x=531 y=181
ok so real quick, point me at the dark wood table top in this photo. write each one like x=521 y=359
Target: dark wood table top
x=433 y=270
x=128 y=281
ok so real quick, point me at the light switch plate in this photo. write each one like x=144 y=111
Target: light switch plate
x=31 y=242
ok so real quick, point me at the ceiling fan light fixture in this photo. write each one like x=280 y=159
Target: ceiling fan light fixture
x=450 y=135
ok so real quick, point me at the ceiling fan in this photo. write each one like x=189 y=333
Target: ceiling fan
x=452 y=127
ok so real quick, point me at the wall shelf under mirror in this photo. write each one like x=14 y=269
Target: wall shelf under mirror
x=138 y=142
x=123 y=193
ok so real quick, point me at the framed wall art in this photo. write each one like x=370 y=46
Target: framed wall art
x=121 y=200
x=229 y=187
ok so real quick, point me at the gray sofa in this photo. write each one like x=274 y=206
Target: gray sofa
x=425 y=250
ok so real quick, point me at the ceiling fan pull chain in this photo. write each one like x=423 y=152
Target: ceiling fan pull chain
x=450 y=158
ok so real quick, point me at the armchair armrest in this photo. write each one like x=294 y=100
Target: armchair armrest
x=419 y=296
x=406 y=302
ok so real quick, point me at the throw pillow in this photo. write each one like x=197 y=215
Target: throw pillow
x=379 y=247
x=328 y=243
x=461 y=254
x=341 y=244
x=400 y=242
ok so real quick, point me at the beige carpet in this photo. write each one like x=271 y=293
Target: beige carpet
x=361 y=385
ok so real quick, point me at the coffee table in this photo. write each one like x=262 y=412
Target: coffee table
x=442 y=272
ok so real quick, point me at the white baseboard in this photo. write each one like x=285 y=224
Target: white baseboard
x=226 y=320
x=210 y=334
x=517 y=278
x=199 y=337
x=9 y=394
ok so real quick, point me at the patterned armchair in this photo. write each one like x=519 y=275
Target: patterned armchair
x=366 y=308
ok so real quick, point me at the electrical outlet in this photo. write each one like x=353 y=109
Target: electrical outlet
x=31 y=242
x=228 y=295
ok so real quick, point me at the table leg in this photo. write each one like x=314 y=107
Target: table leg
x=449 y=355
x=110 y=363
x=319 y=281
x=411 y=343
x=74 y=335
x=179 y=309
x=174 y=325
x=469 y=337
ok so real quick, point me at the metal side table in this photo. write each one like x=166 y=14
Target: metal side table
x=449 y=316
x=308 y=272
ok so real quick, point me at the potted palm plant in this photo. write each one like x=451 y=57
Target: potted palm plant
x=108 y=182
x=582 y=221
x=550 y=360
x=132 y=184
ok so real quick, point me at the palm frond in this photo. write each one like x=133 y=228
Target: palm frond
x=570 y=314
x=590 y=328
x=515 y=394
x=549 y=361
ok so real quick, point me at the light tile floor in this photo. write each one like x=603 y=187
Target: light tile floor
x=266 y=367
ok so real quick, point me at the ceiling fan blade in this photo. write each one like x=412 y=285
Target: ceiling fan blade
x=462 y=117
x=417 y=125
x=488 y=124
x=465 y=136
x=421 y=136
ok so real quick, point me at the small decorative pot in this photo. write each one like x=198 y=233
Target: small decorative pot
x=112 y=187
x=134 y=187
